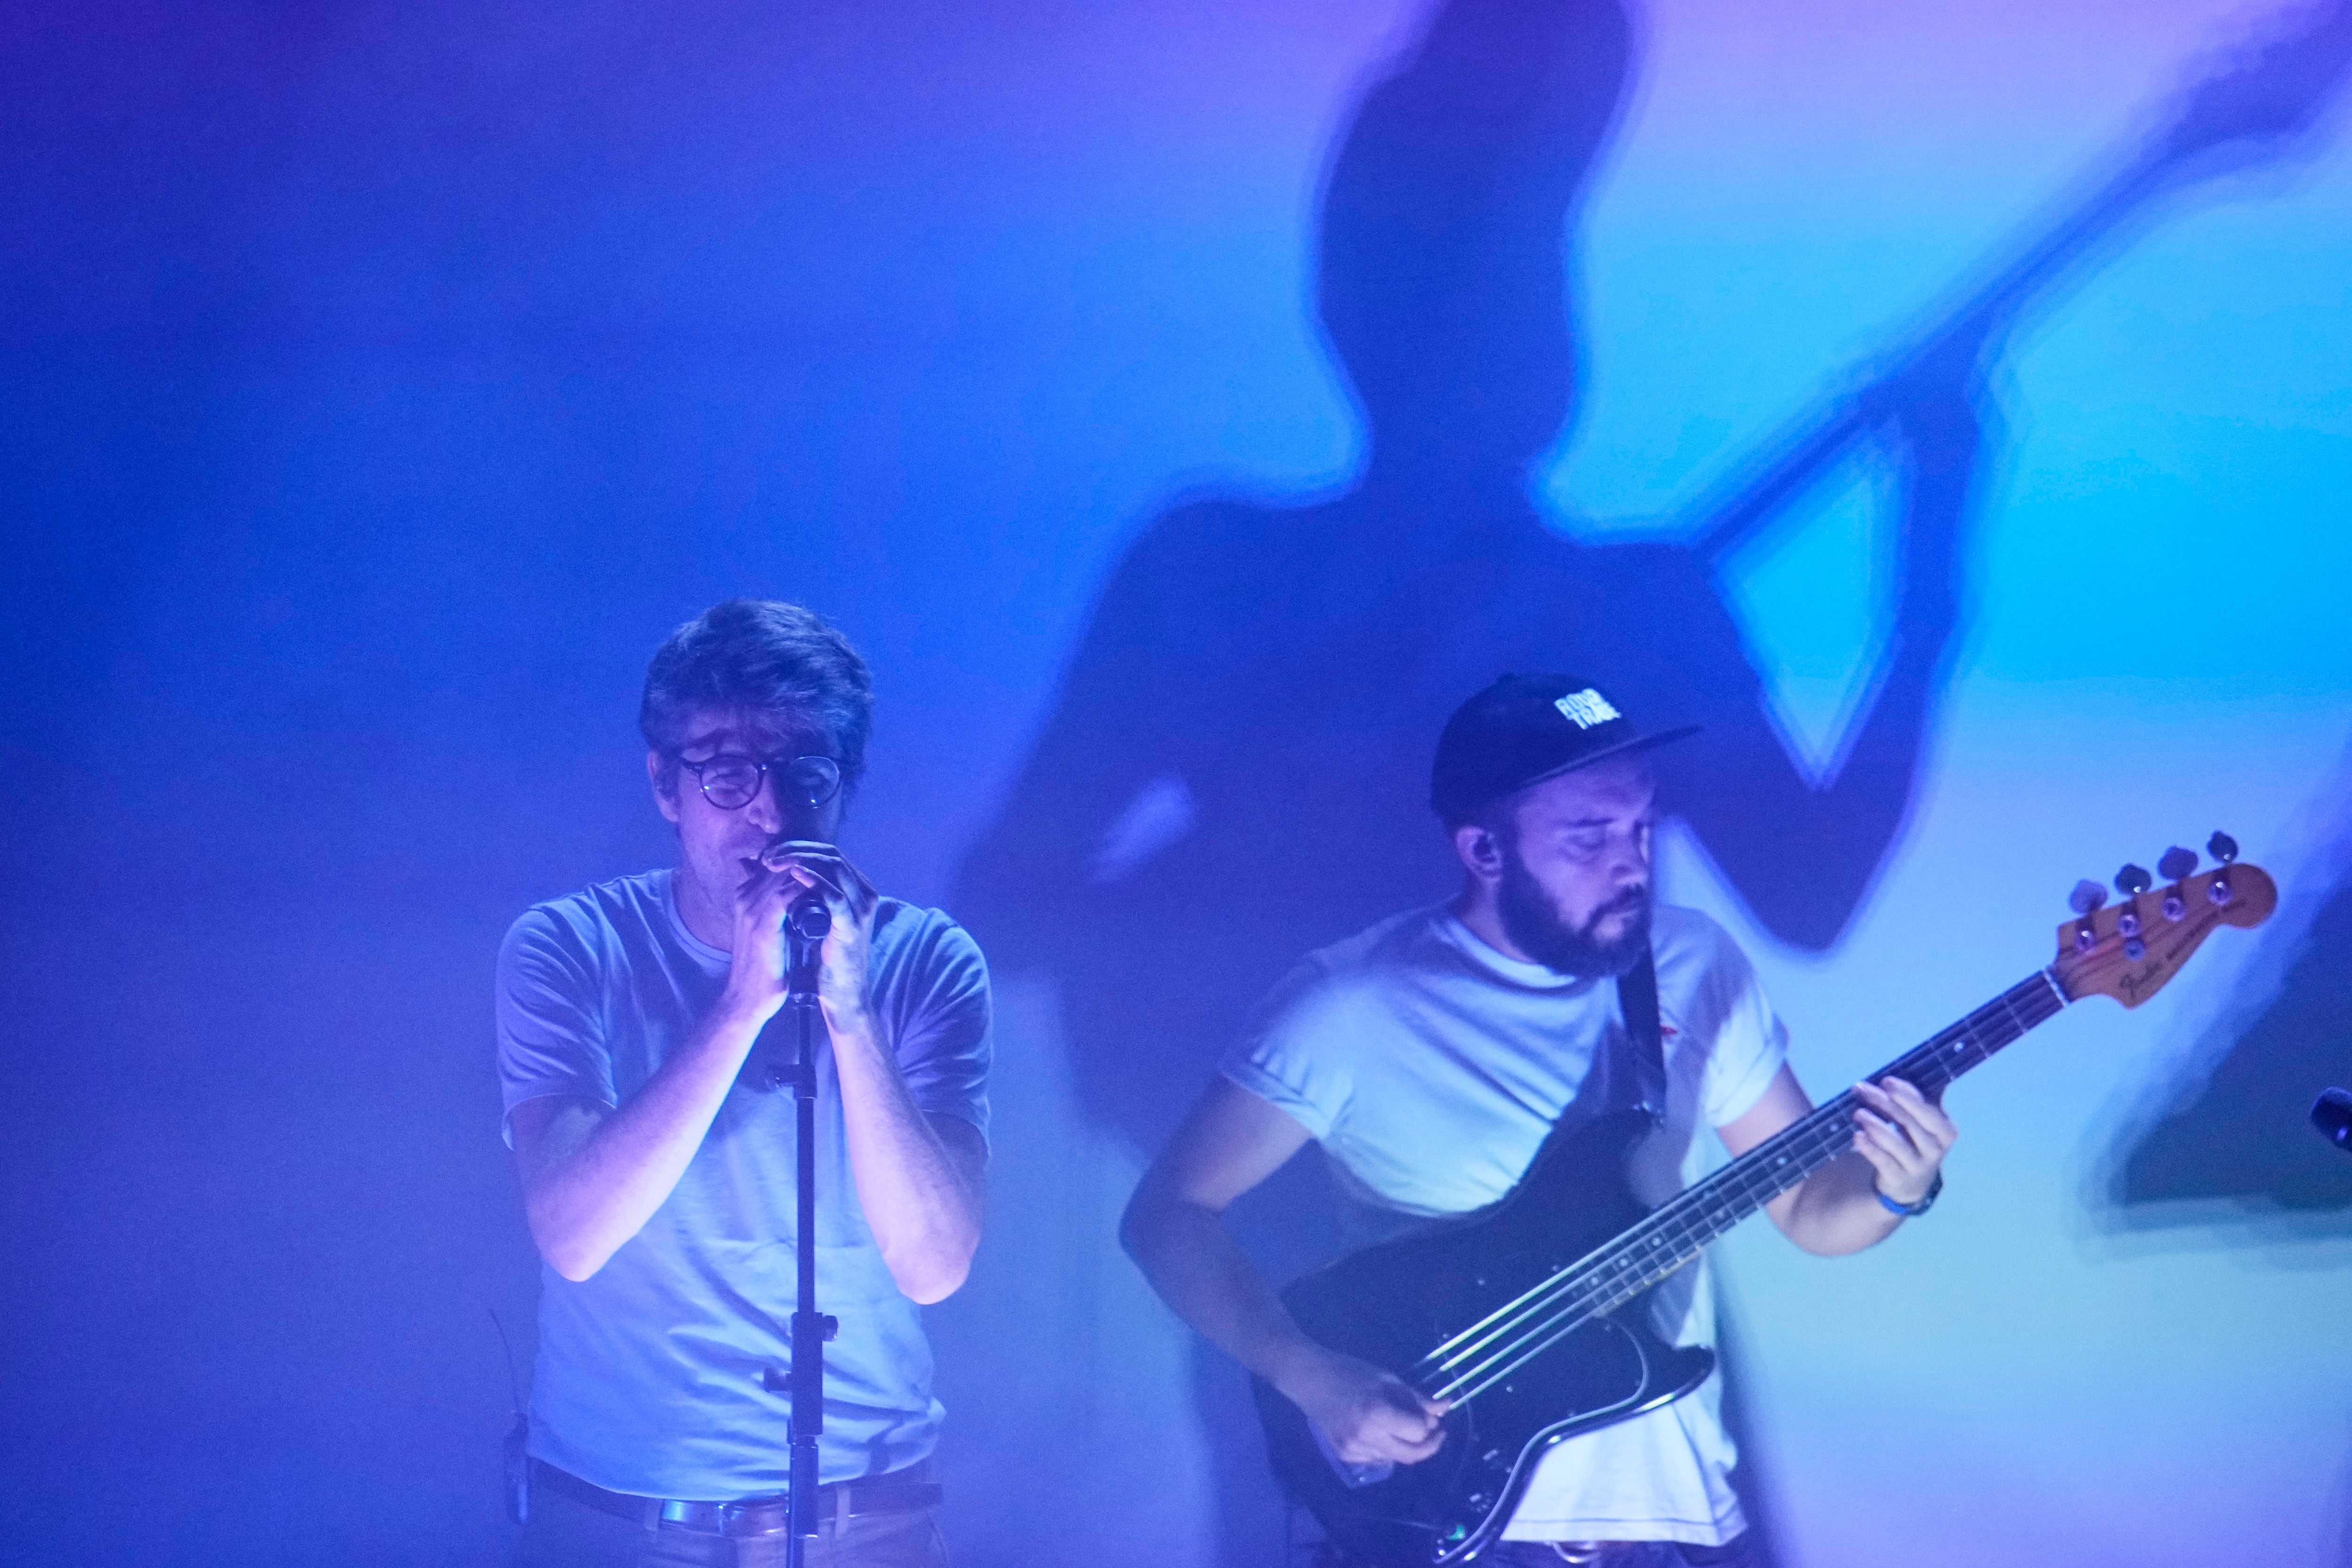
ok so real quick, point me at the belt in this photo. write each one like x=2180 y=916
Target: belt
x=910 y=1490
x=1621 y=1555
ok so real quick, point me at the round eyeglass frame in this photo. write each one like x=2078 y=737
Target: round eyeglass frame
x=815 y=792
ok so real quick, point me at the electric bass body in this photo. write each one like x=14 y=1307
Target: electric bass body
x=1393 y=1304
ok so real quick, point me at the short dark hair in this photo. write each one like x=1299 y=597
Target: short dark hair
x=761 y=656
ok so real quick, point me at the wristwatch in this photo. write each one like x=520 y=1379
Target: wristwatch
x=1908 y=1211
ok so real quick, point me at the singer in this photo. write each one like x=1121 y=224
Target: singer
x=657 y=1157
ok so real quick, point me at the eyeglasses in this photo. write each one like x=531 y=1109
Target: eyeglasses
x=730 y=779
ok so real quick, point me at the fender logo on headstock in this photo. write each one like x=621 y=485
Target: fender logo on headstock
x=2137 y=984
x=2131 y=950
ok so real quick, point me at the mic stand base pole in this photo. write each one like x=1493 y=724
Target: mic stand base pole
x=810 y=1328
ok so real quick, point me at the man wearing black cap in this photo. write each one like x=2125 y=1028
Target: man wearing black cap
x=1431 y=1055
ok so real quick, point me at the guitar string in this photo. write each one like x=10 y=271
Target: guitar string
x=1701 y=1215
x=1613 y=1280
x=1770 y=1153
x=1639 y=1262
x=1773 y=1152
x=1633 y=1268
x=1673 y=1235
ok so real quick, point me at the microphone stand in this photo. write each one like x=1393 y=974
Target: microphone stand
x=804 y=933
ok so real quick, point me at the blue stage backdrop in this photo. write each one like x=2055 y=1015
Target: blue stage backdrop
x=1182 y=406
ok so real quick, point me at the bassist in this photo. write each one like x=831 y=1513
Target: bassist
x=1434 y=1054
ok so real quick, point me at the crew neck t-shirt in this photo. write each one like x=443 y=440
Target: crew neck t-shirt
x=650 y=1372
x=1430 y=1067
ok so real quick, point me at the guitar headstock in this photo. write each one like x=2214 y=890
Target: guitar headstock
x=2129 y=951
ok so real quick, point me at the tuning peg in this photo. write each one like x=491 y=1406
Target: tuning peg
x=2087 y=895
x=2133 y=881
x=2177 y=863
x=2224 y=848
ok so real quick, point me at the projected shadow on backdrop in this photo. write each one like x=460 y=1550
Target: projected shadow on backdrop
x=2227 y=1145
x=2228 y=1152
x=1235 y=770
x=2232 y=1145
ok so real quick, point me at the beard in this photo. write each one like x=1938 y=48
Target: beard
x=1533 y=923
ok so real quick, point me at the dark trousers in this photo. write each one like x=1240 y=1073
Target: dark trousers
x=567 y=1534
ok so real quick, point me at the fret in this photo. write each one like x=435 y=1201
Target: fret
x=1485 y=1354
x=1680 y=1229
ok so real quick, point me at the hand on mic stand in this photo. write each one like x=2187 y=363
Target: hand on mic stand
x=807 y=922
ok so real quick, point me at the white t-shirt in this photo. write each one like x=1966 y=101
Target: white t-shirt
x=1430 y=1067
x=650 y=1374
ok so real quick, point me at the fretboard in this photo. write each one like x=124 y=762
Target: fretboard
x=1678 y=1231
x=1674 y=1234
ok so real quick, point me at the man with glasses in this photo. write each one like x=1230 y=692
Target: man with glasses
x=657 y=1157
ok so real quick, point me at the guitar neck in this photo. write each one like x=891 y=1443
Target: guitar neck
x=1676 y=1233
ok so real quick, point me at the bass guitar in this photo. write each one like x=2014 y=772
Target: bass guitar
x=1528 y=1319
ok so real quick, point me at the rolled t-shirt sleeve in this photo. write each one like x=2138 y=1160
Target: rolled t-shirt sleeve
x=1285 y=1054
x=943 y=1030
x=1750 y=1042
x=549 y=1017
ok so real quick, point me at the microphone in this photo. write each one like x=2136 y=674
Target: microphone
x=807 y=918
x=2332 y=1114
x=806 y=924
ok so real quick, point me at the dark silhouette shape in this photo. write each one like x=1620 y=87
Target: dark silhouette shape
x=2212 y=1140
x=2227 y=1154
x=2243 y=1137
x=1235 y=770
x=2231 y=1143
x=1267 y=681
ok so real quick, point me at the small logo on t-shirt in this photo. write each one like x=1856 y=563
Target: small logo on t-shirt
x=1586 y=707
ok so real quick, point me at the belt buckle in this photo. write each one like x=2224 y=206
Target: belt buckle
x=735 y=1517
x=732 y=1520
x=695 y=1516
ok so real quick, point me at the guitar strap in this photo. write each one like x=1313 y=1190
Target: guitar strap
x=1643 y=1083
x=1629 y=1071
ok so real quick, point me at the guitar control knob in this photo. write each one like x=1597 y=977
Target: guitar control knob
x=2087 y=895
x=2221 y=847
x=2133 y=881
x=2177 y=863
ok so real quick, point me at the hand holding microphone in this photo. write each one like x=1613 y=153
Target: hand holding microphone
x=825 y=922
x=808 y=919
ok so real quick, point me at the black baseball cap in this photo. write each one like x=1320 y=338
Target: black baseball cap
x=1523 y=729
